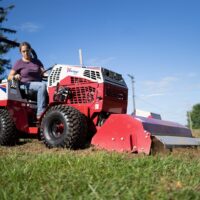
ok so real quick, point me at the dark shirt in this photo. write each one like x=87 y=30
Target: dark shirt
x=29 y=71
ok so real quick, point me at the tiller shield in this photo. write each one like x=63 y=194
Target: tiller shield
x=122 y=132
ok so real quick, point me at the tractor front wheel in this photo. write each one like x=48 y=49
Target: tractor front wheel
x=63 y=126
x=7 y=129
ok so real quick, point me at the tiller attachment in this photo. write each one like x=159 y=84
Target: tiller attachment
x=122 y=132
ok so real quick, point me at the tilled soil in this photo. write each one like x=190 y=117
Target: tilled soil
x=34 y=146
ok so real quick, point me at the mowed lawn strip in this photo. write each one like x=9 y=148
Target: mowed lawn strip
x=41 y=173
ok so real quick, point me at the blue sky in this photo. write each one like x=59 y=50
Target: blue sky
x=156 y=41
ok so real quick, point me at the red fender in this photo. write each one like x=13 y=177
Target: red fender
x=122 y=132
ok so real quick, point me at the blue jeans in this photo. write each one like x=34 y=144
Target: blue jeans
x=41 y=89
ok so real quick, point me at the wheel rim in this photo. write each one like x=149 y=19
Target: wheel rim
x=56 y=128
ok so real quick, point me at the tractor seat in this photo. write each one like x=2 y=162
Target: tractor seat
x=29 y=94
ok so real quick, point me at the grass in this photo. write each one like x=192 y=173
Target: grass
x=30 y=171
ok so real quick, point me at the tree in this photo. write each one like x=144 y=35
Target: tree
x=195 y=116
x=4 y=47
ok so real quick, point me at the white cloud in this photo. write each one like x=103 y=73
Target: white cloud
x=152 y=95
x=100 y=62
x=29 y=27
x=192 y=75
x=160 y=86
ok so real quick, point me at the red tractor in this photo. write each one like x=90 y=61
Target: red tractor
x=86 y=105
x=80 y=101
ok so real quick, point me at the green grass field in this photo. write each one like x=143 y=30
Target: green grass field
x=31 y=171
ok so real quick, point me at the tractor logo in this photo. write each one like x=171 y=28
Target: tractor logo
x=72 y=71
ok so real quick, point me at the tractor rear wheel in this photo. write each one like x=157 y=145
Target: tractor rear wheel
x=7 y=129
x=64 y=126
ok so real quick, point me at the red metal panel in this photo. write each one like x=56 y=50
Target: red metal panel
x=3 y=103
x=18 y=111
x=32 y=130
x=114 y=98
x=122 y=132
